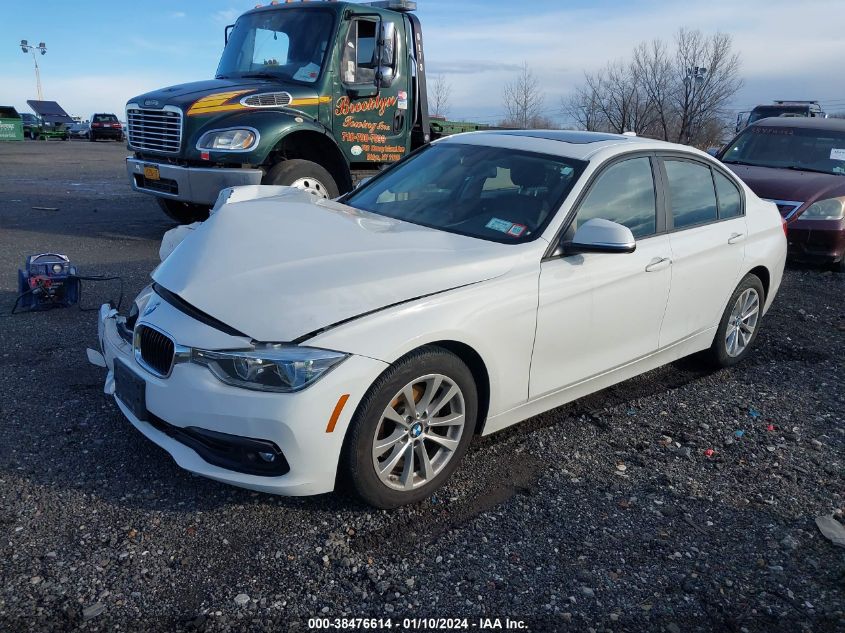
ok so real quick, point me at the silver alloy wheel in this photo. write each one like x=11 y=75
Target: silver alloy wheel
x=419 y=432
x=742 y=322
x=312 y=186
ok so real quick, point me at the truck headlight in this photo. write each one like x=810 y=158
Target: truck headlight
x=830 y=209
x=278 y=368
x=231 y=140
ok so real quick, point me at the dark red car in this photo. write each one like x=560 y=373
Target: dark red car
x=105 y=126
x=799 y=164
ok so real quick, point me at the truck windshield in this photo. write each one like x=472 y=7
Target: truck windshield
x=789 y=147
x=769 y=111
x=288 y=44
x=491 y=193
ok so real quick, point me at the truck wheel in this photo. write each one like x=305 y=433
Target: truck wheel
x=305 y=175
x=183 y=212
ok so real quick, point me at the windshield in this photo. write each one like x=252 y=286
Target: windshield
x=105 y=118
x=789 y=147
x=490 y=193
x=287 y=44
x=775 y=111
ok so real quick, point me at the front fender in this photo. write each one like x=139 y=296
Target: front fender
x=496 y=318
x=271 y=125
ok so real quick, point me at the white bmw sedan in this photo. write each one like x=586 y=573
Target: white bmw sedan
x=291 y=344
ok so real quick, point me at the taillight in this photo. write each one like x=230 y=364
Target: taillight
x=783 y=222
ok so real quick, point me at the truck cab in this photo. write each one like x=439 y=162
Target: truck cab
x=315 y=95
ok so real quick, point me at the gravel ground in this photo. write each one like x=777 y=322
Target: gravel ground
x=604 y=515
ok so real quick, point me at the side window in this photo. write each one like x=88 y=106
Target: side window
x=691 y=192
x=623 y=193
x=358 y=64
x=730 y=200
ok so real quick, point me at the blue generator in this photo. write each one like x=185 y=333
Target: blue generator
x=49 y=281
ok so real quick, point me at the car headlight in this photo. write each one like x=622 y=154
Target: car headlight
x=830 y=209
x=279 y=368
x=234 y=140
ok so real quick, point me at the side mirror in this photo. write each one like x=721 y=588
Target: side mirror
x=601 y=236
x=363 y=181
x=384 y=76
x=386 y=54
x=226 y=32
x=713 y=151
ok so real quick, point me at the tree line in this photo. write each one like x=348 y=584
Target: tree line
x=676 y=91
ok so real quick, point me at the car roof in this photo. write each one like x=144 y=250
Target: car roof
x=804 y=122
x=567 y=143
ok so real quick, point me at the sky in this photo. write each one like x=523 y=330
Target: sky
x=99 y=54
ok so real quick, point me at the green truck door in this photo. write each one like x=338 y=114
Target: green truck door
x=371 y=128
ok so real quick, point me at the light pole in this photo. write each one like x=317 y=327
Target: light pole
x=26 y=47
x=695 y=77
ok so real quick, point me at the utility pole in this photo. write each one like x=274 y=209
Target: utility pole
x=26 y=47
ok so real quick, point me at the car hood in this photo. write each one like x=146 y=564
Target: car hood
x=282 y=267
x=789 y=184
x=184 y=95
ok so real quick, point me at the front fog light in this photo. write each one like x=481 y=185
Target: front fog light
x=234 y=140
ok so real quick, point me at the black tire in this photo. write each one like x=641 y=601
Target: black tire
x=183 y=212
x=839 y=267
x=92 y=138
x=288 y=172
x=718 y=353
x=357 y=470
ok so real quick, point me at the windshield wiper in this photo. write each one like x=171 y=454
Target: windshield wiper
x=816 y=171
x=742 y=162
x=260 y=76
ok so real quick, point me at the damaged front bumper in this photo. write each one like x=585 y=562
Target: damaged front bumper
x=207 y=426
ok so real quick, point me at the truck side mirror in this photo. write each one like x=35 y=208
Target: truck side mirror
x=386 y=56
x=226 y=32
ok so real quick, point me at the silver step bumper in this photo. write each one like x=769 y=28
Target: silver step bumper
x=199 y=185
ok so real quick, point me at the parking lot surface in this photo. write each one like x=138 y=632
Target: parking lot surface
x=608 y=514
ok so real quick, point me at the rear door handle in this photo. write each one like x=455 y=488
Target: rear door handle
x=736 y=238
x=658 y=263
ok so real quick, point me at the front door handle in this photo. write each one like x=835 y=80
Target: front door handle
x=736 y=238
x=658 y=263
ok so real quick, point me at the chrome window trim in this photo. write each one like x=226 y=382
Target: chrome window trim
x=795 y=204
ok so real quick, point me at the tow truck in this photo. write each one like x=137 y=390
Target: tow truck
x=779 y=108
x=316 y=95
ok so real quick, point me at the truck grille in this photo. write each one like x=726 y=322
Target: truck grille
x=156 y=349
x=154 y=130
